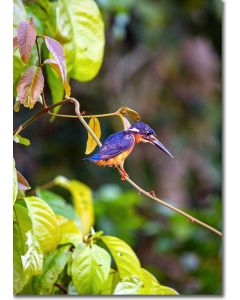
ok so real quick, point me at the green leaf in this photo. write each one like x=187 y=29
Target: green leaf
x=111 y=282
x=40 y=11
x=44 y=223
x=52 y=267
x=21 y=140
x=124 y=257
x=96 y=128
x=32 y=260
x=23 y=221
x=22 y=224
x=82 y=201
x=127 y=288
x=15 y=183
x=81 y=32
x=70 y=233
x=19 y=14
x=58 y=204
x=90 y=268
x=54 y=80
x=165 y=290
x=71 y=289
x=151 y=286
x=18 y=282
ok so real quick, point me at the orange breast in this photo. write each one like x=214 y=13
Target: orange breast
x=115 y=161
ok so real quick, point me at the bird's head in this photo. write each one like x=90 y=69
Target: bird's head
x=147 y=135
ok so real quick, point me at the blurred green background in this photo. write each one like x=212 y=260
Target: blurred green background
x=163 y=59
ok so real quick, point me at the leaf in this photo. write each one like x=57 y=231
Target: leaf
x=53 y=81
x=96 y=128
x=40 y=11
x=151 y=286
x=72 y=290
x=15 y=183
x=57 y=203
x=126 y=260
x=18 y=68
x=52 y=62
x=111 y=282
x=18 y=282
x=128 y=111
x=81 y=32
x=44 y=223
x=30 y=86
x=165 y=290
x=53 y=266
x=19 y=14
x=67 y=88
x=90 y=268
x=26 y=36
x=82 y=201
x=32 y=260
x=131 y=287
x=22 y=224
x=126 y=123
x=70 y=233
x=15 y=43
x=21 y=140
x=22 y=182
x=57 y=51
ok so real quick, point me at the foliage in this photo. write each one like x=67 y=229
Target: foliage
x=56 y=250
x=52 y=253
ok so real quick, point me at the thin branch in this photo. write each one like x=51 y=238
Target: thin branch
x=37 y=115
x=191 y=218
x=61 y=287
x=138 y=188
x=85 y=116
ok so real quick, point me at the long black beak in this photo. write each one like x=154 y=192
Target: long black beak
x=161 y=146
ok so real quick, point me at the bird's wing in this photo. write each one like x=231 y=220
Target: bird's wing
x=116 y=144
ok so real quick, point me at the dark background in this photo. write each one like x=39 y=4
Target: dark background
x=162 y=59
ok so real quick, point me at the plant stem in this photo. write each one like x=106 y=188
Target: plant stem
x=191 y=218
x=61 y=287
x=39 y=114
x=85 y=116
x=138 y=188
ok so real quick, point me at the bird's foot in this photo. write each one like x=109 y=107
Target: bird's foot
x=124 y=175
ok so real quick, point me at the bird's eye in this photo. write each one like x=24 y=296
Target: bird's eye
x=149 y=133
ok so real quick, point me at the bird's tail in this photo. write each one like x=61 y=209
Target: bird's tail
x=93 y=158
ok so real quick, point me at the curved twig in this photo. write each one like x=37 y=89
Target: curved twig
x=131 y=182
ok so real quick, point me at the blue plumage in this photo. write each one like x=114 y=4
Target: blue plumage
x=114 y=145
x=118 y=146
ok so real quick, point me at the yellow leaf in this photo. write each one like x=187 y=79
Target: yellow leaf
x=67 y=88
x=128 y=111
x=70 y=233
x=95 y=126
x=82 y=201
x=126 y=123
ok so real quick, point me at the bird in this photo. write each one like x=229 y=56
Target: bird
x=119 y=145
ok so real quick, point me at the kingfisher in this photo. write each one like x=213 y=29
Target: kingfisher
x=119 y=145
